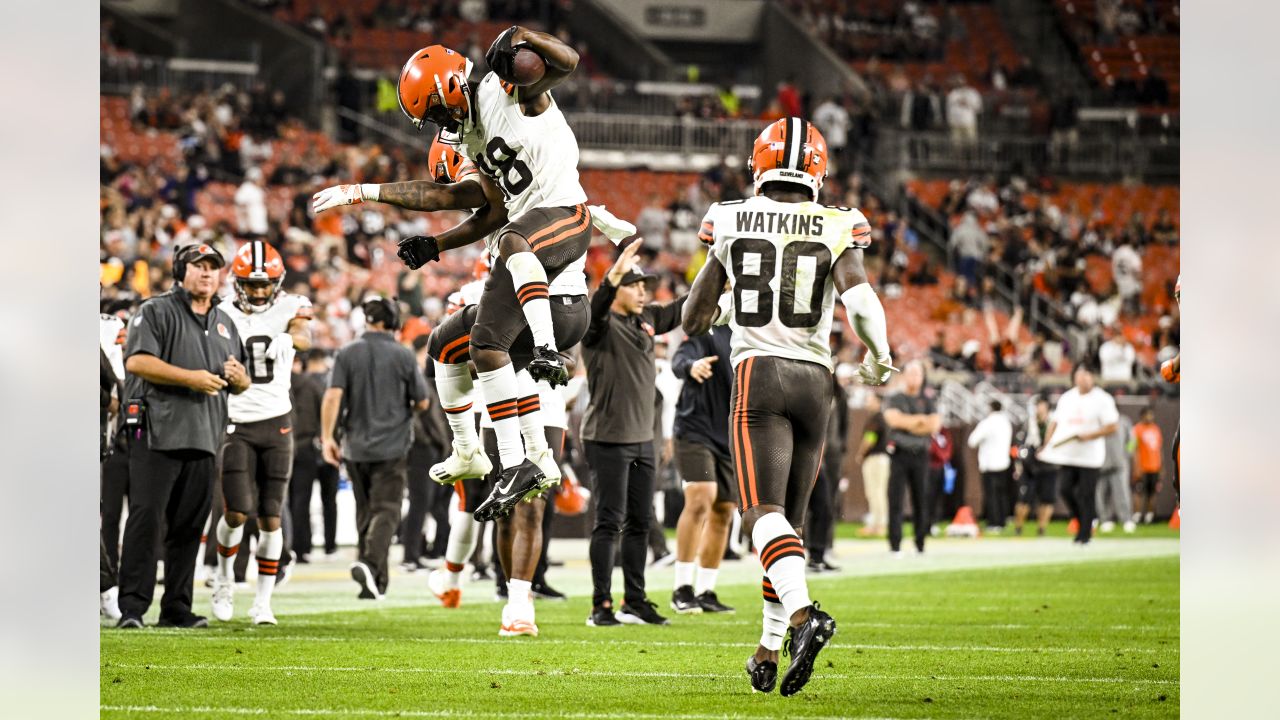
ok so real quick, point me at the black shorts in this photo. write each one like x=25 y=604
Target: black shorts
x=558 y=236
x=1150 y=483
x=778 y=428
x=450 y=341
x=699 y=463
x=257 y=459
x=1039 y=487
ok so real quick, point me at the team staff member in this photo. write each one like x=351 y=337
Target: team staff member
x=912 y=418
x=993 y=436
x=184 y=357
x=874 y=459
x=1038 y=482
x=375 y=388
x=617 y=430
x=1085 y=414
x=305 y=394
x=706 y=467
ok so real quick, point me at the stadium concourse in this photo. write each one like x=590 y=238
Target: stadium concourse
x=1023 y=233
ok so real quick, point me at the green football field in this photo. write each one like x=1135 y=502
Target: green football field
x=1015 y=628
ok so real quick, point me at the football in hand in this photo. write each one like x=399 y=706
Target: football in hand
x=528 y=67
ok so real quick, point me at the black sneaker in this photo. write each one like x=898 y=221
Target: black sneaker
x=644 y=613
x=129 y=622
x=828 y=567
x=188 y=620
x=710 y=603
x=364 y=578
x=815 y=567
x=803 y=644
x=547 y=364
x=512 y=486
x=543 y=591
x=763 y=674
x=602 y=616
x=684 y=602
x=729 y=554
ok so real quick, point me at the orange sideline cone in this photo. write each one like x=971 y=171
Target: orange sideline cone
x=963 y=525
x=1073 y=527
x=1175 y=522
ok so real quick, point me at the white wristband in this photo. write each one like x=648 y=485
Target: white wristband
x=866 y=316
x=370 y=191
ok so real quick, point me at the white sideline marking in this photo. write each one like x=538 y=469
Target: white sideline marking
x=575 y=672
x=345 y=712
x=653 y=643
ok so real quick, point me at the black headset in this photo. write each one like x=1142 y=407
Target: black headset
x=180 y=261
x=392 y=307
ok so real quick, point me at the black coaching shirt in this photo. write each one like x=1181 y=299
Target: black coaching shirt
x=702 y=414
x=621 y=375
x=380 y=382
x=921 y=404
x=179 y=418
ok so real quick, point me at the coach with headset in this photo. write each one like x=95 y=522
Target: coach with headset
x=373 y=392
x=183 y=356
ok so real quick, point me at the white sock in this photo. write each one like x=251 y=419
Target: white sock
x=519 y=592
x=706 y=580
x=530 y=281
x=776 y=619
x=782 y=555
x=500 y=396
x=462 y=535
x=270 y=544
x=454 y=386
x=530 y=406
x=684 y=574
x=228 y=545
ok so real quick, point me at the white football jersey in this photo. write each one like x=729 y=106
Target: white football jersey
x=268 y=396
x=111 y=334
x=534 y=160
x=779 y=258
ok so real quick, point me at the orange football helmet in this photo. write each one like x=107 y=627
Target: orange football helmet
x=257 y=263
x=447 y=164
x=433 y=87
x=790 y=150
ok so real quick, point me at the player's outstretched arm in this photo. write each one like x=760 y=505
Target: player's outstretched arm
x=560 y=59
x=866 y=316
x=491 y=216
x=421 y=195
x=702 y=307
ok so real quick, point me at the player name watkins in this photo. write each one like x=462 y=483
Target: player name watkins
x=777 y=222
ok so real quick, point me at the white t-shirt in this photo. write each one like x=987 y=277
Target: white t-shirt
x=963 y=106
x=251 y=209
x=1116 y=359
x=993 y=437
x=1076 y=414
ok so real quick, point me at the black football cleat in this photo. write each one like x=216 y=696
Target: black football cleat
x=187 y=620
x=515 y=484
x=711 y=604
x=602 y=616
x=804 y=643
x=684 y=602
x=547 y=364
x=641 y=613
x=763 y=674
x=543 y=591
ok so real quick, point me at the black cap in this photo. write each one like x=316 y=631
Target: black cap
x=195 y=253
x=635 y=275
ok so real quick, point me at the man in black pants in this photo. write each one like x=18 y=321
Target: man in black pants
x=1084 y=416
x=912 y=418
x=430 y=436
x=305 y=392
x=824 y=501
x=618 y=433
x=375 y=387
x=183 y=356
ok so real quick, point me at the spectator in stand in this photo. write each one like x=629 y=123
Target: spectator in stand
x=1124 y=92
x=1163 y=230
x=873 y=457
x=964 y=105
x=789 y=98
x=1126 y=269
x=920 y=113
x=652 y=223
x=833 y=120
x=912 y=417
x=1150 y=456
x=251 y=206
x=1114 y=501
x=969 y=243
x=1116 y=356
x=1085 y=414
x=926 y=274
x=992 y=437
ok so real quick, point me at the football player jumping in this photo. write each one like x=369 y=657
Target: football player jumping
x=529 y=199
x=258 y=454
x=786 y=258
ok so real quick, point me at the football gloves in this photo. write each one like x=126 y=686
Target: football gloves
x=281 y=348
x=332 y=197
x=502 y=55
x=876 y=371
x=419 y=250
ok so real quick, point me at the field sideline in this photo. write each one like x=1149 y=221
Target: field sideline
x=1003 y=627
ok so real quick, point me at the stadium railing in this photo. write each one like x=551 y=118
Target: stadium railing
x=120 y=73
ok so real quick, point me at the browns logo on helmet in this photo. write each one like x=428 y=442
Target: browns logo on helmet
x=447 y=164
x=433 y=88
x=259 y=272
x=790 y=150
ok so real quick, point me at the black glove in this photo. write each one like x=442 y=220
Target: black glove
x=502 y=54
x=419 y=250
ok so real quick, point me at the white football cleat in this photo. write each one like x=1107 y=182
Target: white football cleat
x=518 y=620
x=223 y=598
x=111 y=603
x=261 y=614
x=461 y=467
x=546 y=462
x=438 y=584
x=1130 y=526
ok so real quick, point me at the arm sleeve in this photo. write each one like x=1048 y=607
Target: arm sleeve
x=600 y=303
x=144 y=333
x=665 y=318
x=690 y=351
